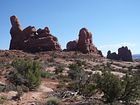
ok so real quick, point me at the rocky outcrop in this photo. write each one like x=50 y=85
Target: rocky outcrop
x=16 y=34
x=30 y=39
x=84 y=43
x=72 y=45
x=113 y=55
x=124 y=54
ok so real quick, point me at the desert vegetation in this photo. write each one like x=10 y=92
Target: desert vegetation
x=70 y=80
x=26 y=73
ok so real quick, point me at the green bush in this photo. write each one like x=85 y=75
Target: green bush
x=10 y=87
x=126 y=89
x=59 y=69
x=46 y=74
x=113 y=87
x=80 y=63
x=81 y=81
x=110 y=85
x=50 y=101
x=53 y=101
x=53 y=56
x=27 y=72
x=2 y=87
x=75 y=72
x=86 y=89
x=131 y=88
x=3 y=99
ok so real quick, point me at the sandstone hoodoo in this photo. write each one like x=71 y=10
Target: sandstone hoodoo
x=124 y=54
x=30 y=39
x=84 y=43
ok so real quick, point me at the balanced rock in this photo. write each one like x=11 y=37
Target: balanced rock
x=124 y=54
x=84 y=43
x=30 y=39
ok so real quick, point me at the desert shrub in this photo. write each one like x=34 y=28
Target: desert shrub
x=10 y=87
x=53 y=56
x=81 y=81
x=138 y=66
x=108 y=64
x=5 y=64
x=59 y=69
x=63 y=78
x=46 y=74
x=36 y=57
x=53 y=101
x=63 y=81
x=19 y=92
x=24 y=88
x=27 y=72
x=126 y=89
x=80 y=63
x=131 y=88
x=3 y=99
x=86 y=89
x=50 y=101
x=110 y=85
x=2 y=87
x=76 y=71
x=2 y=64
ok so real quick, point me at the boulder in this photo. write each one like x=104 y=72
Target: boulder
x=30 y=39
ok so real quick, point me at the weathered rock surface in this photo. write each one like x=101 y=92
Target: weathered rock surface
x=84 y=43
x=124 y=54
x=30 y=39
x=72 y=45
x=16 y=34
x=113 y=55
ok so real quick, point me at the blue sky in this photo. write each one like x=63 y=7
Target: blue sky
x=114 y=23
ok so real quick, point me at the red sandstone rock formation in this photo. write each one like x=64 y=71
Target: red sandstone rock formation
x=84 y=43
x=124 y=54
x=30 y=39
x=16 y=33
x=113 y=55
x=72 y=45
